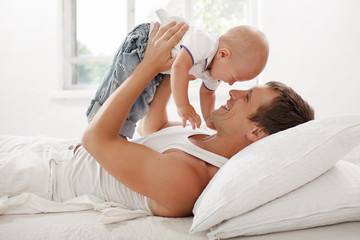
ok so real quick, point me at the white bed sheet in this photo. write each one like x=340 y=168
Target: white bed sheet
x=86 y=225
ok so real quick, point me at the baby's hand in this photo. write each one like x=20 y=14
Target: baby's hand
x=188 y=113
x=210 y=123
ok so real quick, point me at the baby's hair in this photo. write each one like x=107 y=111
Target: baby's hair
x=246 y=43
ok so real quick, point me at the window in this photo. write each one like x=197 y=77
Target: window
x=94 y=29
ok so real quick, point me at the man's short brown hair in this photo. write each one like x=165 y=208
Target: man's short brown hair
x=287 y=110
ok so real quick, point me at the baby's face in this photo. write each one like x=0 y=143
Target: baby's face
x=241 y=56
x=225 y=70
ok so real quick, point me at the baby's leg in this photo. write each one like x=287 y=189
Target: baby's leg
x=157 y=117
x=128 y=56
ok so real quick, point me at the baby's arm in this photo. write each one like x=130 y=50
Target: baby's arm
x=179 y=87
x=207 y=102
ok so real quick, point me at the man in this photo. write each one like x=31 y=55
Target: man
x=172 y=177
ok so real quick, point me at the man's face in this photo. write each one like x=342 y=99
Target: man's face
x=241 y=105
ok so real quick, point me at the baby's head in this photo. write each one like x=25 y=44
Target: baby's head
x=242 y=55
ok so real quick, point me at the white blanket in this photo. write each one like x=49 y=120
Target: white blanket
x=28 y=203
x=27 y=179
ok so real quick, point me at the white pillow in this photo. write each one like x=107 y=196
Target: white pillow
x=332 y=198
x=274 y=166
x=353 y=156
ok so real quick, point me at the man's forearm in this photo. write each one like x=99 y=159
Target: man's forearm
x=108 y=121
x=112 y=115
x=207 y=102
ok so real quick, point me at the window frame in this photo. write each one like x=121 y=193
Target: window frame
x=70 y=60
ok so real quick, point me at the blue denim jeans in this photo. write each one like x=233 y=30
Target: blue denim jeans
x=127 y=57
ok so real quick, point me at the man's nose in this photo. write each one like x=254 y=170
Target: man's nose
x=238 y=94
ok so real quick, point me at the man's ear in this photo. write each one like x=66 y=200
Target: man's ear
x=224 y=53
x=256 y=133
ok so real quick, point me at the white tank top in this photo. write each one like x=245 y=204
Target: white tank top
x=178 y=138
x=83 y=175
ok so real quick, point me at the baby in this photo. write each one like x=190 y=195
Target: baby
x=238 y=55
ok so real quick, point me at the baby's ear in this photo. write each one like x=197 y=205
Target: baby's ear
x=224 y=53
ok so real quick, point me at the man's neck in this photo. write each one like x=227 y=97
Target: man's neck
x=223 y=146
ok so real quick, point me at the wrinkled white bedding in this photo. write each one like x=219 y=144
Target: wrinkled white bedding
x=31 y=189
x=28 y=203
x=85 y=224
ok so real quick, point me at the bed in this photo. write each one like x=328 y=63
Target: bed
x=334 y=157
x=86 y=225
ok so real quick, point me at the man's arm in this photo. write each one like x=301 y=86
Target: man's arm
x=207 y=103
x=159 y=176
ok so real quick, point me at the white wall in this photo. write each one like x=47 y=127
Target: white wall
x=314 y=48
x=30 y=71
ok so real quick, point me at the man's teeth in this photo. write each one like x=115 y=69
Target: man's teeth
x=226 y=106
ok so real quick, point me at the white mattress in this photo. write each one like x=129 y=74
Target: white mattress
x=86 y=225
